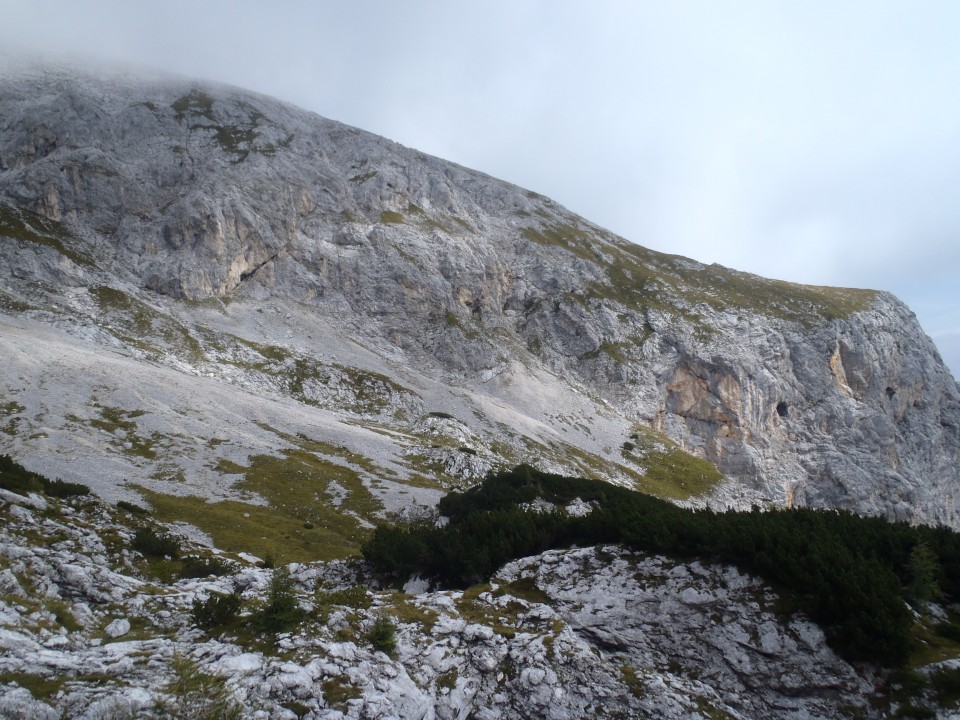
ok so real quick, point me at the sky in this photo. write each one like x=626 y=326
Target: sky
x=817 y=142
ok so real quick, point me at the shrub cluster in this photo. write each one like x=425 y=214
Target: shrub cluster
x=198 y=567
x=382 y=635
x=61 y=488
x=131 y=508
x=282 y=610
x=946 y=685
x=354 y=596
x=217 y=610
x=15 y=477
x=153 y=544
x=851 y=575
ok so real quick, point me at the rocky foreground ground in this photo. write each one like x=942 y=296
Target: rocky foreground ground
x=90 y=628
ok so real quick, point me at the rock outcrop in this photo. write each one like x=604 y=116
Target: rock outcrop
x=566 y=634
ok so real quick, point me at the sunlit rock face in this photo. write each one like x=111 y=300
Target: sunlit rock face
x=182 y=194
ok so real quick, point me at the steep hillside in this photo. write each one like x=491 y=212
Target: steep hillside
x=208 y=294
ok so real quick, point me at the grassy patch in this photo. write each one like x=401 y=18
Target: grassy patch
x=161 y=569
x=448 y=680
x=634 y=684
x=41 y=687
x=654 y=465
x=372 y=392
x=711 y=711
x=404 y=609
x=297 y=481
x=471 y=331
x=426 y=473
x=564 y=236
x=120 y=423
x=228 y=467
x=430 y=222
x=613 y=350
x=307 y=380
x=355 y=597
x=526 y=588
x=390 y=217
x=8 y=411
x=10 y=304
x=297 y=708
x=245 y=354
x=33 y=228
x=363 y=177
x=502 y=619
x=195 y=693
x=669 y=471
x=640 y=278
x=930 y=645
x=64 y=615
x=429 y=472
x=299 y=523
x=132 y=320
x=344 y=456
x=464 y=224
x=338 y=691
x=238 y=140
x=261 y=531
x=195 y=102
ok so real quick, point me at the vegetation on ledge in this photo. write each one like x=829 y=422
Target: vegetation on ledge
x=20 y=224
x=640 y=278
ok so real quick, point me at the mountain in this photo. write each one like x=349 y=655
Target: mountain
x=203 y=276
x=254 y=333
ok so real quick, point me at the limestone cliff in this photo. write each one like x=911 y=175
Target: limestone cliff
x=181 y=197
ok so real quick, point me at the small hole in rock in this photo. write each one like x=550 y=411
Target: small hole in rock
x=782 y=409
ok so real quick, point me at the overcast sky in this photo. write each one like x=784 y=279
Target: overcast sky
x=811 y=141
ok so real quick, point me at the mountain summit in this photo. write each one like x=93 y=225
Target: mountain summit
x=203 y=290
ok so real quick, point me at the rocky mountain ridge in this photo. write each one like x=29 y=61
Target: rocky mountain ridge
x=219 y=233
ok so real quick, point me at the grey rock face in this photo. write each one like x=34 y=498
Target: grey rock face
x=607 y=632
x=705 y=622
x=807 y=396
x=857 y=414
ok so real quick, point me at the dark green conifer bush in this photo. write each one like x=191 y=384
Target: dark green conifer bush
x=153 y=544
x=383 y=635
x=15 y=477
x=131 y=507
x=198 y=567
x=946 y=685
x=282 y=611
x=852 y=575
x=217 y=610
